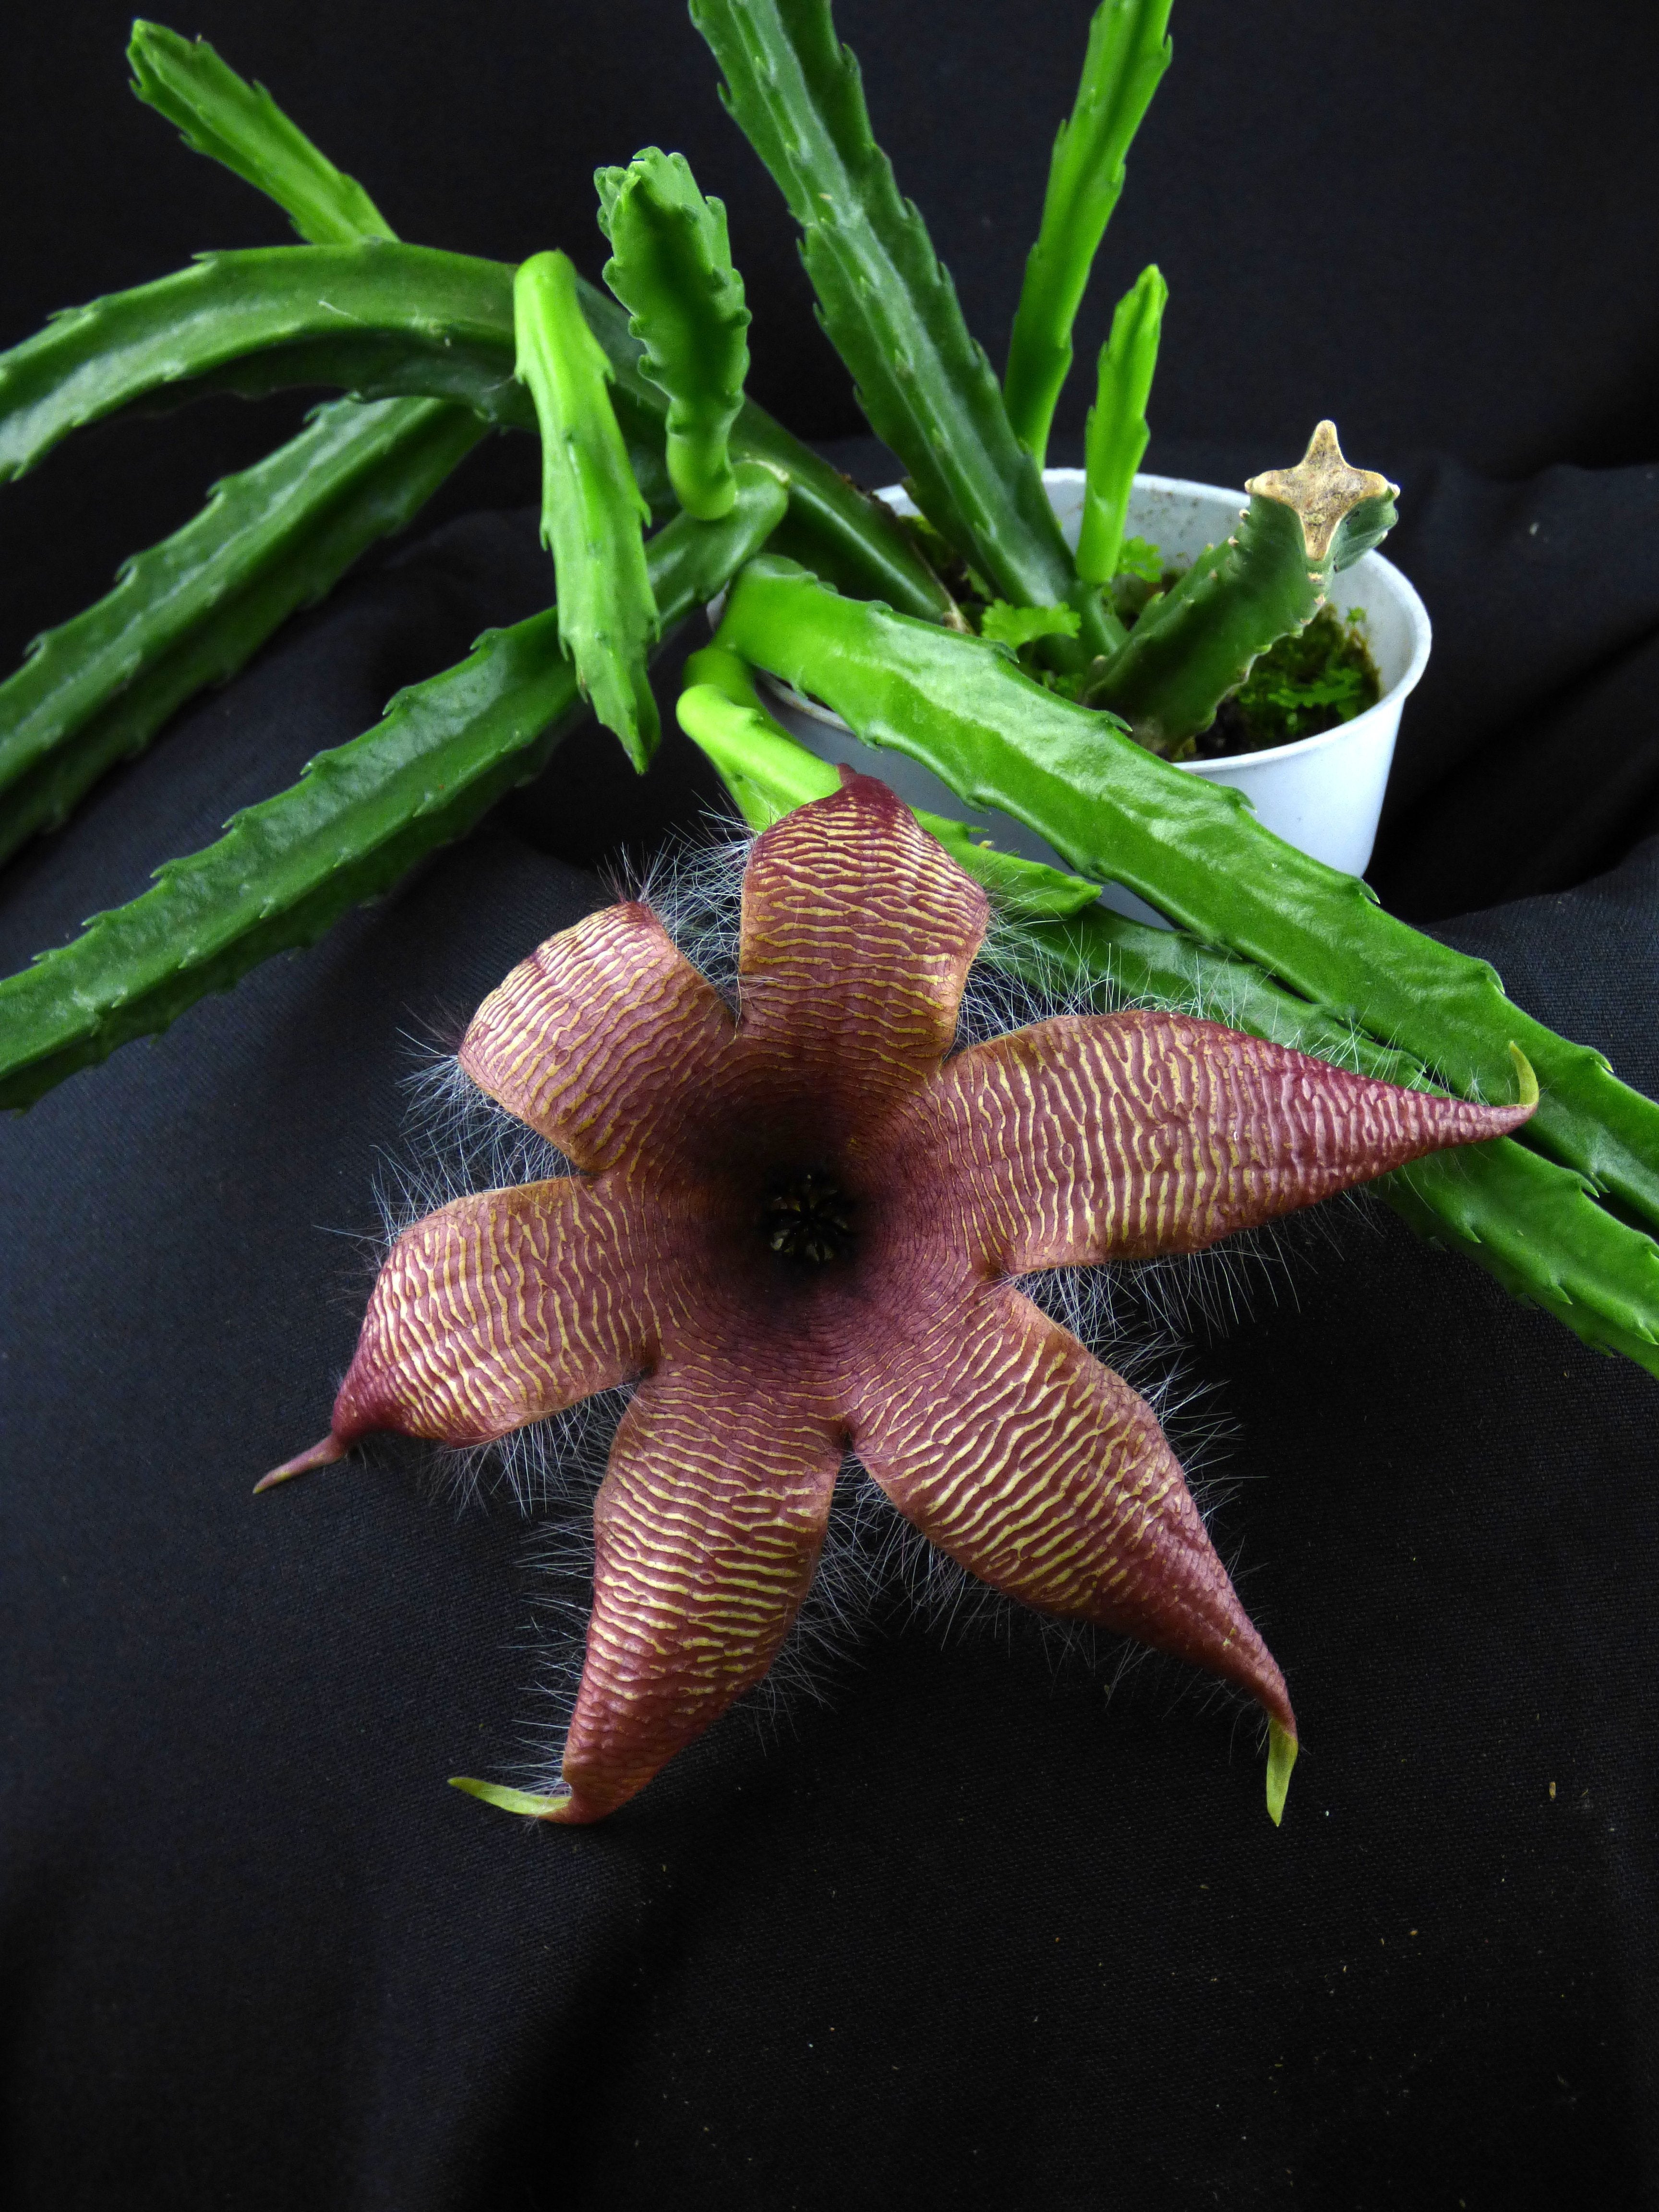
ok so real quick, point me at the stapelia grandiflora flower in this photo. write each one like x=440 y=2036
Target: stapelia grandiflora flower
x=800 y=1226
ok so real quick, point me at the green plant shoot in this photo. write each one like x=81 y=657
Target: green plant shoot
x=1127 y=56
x=360 y=815
x=1199 y=640
x=221 y=115
x=1017 y=626
x=890 y=309
x=189 y=611
x=593 y=513
x=671 y=267
x=768 y=774
x=1117 y=431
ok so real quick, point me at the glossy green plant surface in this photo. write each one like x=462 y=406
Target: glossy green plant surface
x=287 y=869
x=379 y=320
x=190 y=611
x=1127 y=56
x=890 y=309
x=1193 y=849
x=1534 y=1225
x=1116 y=435
x=1200 y=639
x=593 y=513
x=671 y=266
x=376 y=318
x=769 y=774
x=220 y=114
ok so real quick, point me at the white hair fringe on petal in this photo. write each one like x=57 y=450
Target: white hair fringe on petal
x=1140 y=1316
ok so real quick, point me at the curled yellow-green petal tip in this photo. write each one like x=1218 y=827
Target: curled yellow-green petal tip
x=1526 y=1081
x=513 y=1801
x=1281 y=1758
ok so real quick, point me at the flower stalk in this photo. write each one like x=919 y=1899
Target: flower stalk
x=1199 y=640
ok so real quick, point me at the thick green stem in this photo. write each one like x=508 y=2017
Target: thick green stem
x=1195 y=850
x=221 y=115
x=1117 y=433
x=890 y=307
x=861 y=544
x=1533 y=1225
x=671 y=267
x=769 y=774
x=593 y=513
x=1199 y=640
x=379 y=321
x=287 y=869
x=190 y=611
x=1127 y=56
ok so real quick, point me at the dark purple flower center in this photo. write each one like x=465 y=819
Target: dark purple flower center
x=807 y=1217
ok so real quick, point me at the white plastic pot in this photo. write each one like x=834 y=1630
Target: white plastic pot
x=1323 y=794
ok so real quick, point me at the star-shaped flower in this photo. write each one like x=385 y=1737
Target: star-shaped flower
x=800 y=1226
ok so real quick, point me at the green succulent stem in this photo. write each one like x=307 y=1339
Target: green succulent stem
x=1533 y=1225
x=288 y=869
x=1116 y=436
x=1199 y=640
x=671 y=266
x=1127 y=54
x=382 y=320
x=1195 y=850
x=220 y=114
x=769 y=774
x=189 y=611
x=890 y=309
x=593 y=513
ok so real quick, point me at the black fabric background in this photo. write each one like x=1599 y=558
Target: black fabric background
x=971 y=1932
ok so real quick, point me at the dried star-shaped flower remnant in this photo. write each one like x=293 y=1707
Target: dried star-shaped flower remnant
x=799 y=1225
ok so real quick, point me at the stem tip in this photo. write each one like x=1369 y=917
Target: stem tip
x=513 y=1800
x=1282 y=1749
x=319 y=1455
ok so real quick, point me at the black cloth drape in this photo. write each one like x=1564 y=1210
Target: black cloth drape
x=971 y=1931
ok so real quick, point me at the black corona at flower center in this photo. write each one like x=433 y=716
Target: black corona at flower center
x=808 y=1215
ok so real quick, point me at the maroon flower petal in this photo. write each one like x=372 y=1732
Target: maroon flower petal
x=1119 y=1136
x=858 y=935
x=595 y=1038
x=707 y=1529
x=498 y=1310
x=1043 y=1472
